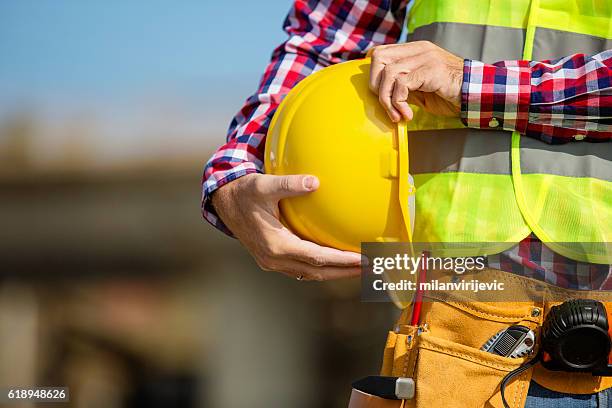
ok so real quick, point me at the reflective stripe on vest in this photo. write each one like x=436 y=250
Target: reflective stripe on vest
x=486 y=185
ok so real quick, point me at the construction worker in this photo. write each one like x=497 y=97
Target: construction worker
x=552 y=88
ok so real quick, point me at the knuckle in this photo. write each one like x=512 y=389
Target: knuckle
x=415 y=76
x=391 y=70
x=284 y=183
x=274 y=251
x=383 y=100
x=399 y=95
x=257 y=185
x=398 y=103
x=265 y=264
x=427 y=44
x=378 y=53
x=271 y=246
x=316 y=260
x=400 y=90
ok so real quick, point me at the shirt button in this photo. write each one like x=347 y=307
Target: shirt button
x=579 y=137
x=493 y=123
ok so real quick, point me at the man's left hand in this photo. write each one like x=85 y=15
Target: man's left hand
x=420 y=73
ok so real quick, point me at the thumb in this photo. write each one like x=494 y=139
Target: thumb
x=281 y=187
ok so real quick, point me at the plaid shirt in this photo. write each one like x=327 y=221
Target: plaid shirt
x=554 y=101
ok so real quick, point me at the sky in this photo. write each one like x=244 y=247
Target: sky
x=117 y=60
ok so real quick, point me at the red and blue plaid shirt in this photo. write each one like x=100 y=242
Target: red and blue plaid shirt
x=569 y=99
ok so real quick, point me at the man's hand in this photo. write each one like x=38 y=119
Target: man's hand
x=420 y=73
x=249 y=208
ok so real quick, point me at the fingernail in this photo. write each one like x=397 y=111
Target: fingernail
x=310 y=183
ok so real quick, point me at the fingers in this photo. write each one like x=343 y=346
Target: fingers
x=284 y=252
x=397 y=80
x=316 y=255
x=399 y=98
x=250 y=210
x=324 y=273
x=377 y=66
x=384 y=55
x=308 y=272
x=279 y=245
x=397 y=71
x=279 y=187
x=385 y=92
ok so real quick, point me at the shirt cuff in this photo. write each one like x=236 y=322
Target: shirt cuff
x=495 y=96
x=212 y=183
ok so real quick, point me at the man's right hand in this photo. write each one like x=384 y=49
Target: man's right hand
x=249 y=208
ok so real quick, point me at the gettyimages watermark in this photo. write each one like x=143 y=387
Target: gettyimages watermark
x=413 y=262
x=410 y=265
x=472 y=272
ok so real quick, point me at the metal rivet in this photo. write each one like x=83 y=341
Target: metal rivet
x=535 y=312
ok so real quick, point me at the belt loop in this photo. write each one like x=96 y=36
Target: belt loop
x=604 y=398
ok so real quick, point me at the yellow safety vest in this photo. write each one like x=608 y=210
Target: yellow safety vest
x=494 y=187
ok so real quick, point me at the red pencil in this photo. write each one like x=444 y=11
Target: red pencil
x=418 y=297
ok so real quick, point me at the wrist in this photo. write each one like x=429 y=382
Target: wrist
x=227 y=192
x=221 y=196
x=456 y=77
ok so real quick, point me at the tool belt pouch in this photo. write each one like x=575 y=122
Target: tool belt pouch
x=398 y=360
x=362 y=400
x=444 y=359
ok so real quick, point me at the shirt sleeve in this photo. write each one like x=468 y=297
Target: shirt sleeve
x=320 y=33
x=556 y=101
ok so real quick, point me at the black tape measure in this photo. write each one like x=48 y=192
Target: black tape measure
x=575 y=337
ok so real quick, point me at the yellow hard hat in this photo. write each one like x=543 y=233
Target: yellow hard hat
x=332 y=126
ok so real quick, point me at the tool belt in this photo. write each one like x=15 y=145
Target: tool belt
x=443 y=357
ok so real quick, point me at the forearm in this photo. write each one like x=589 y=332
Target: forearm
x=243 y=151
x=555 y=101
x=320 y=34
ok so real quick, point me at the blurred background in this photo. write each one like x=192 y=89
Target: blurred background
x=111 y=283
